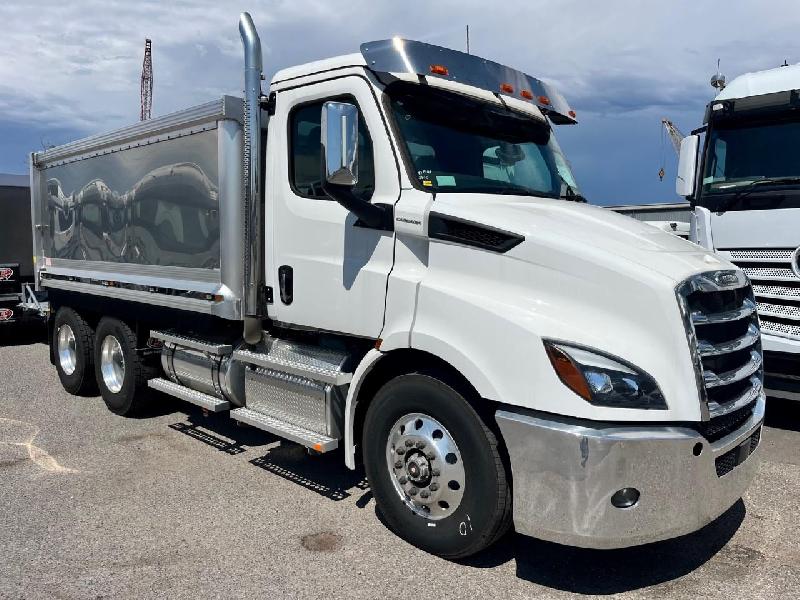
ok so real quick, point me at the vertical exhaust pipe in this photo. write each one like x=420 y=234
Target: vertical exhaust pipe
x=253 y=205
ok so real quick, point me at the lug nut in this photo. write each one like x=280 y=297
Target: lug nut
x=409 y=443
x=398 y=464
x=430 y=456
x=413 y=491
x=403 y=480
x=420 y=444
x=435 y=472
x=401 y=451
x=424 y=494
x=434 y=487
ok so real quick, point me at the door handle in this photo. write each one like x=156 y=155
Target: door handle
x=286 y=283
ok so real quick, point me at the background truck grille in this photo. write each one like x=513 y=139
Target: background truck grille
x=775 y=285
x=719 y=312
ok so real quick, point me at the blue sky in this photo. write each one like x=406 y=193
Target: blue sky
x=71 y=69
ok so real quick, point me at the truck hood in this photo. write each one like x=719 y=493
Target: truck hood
x=582 y=231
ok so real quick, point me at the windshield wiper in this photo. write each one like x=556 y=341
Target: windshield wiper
x=725 y=205
x=570 y=194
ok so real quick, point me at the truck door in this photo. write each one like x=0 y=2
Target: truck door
x=326 y=271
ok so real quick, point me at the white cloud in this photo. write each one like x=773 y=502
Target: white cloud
x=77 y=64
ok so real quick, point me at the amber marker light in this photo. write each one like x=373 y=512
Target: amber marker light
x=544 y=100
x=568 y=372
x=439 y=70
x=572 y=114
x=506 y=88
x=527 y=94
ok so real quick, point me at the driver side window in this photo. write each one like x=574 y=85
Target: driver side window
x=305 y=154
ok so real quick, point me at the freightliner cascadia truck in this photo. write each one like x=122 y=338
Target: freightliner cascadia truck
x=385 y=253
x=744 y=184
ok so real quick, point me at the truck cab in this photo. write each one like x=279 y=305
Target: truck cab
x=387 y=253
x=743 y=181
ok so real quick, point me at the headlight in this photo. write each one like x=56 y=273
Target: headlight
x=604 y=380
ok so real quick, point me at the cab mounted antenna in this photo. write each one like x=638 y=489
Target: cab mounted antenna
x=718 y=79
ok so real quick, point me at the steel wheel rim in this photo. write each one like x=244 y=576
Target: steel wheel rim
x=112 y=364
x=67 y=352
x=425 y=466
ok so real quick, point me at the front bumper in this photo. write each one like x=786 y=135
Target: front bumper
x=565 y=472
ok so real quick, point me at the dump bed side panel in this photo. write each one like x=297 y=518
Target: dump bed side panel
x=151 y=214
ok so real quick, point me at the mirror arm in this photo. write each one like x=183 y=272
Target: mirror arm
x=372 y=215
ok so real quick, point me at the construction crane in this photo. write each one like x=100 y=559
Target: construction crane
x=147 y=83
x=675 y=137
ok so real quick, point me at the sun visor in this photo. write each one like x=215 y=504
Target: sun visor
x=397 y=56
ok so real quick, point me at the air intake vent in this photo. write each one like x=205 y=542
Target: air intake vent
x=451 y=229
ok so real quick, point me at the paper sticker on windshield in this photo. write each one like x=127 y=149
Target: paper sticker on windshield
x=442 y=180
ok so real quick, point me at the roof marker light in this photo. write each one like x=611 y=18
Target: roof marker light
x=439 y=70
x=572 y=114
x=527 y=94
x=544 y=100
x=507 y=88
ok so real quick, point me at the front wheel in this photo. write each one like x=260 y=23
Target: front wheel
x=434 y=467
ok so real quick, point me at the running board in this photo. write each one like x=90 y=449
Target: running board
x=309 y=439
x=209 y=403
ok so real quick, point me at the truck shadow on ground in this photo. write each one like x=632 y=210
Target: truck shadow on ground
x=576 y=570
x=323 y=474
x=783 y=414
x=604 y=572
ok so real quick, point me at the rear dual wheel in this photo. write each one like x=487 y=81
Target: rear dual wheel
x=120 y=370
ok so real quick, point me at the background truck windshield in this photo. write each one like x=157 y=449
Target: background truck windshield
x=755 y=157
x=457 y=144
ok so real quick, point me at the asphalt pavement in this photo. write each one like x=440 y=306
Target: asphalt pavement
x=178 y=505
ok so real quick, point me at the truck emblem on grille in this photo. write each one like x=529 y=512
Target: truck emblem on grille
x=6 y=314
x=6 y=274
x=796 y=262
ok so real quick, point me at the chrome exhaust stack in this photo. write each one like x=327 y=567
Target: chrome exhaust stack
x=253 y=205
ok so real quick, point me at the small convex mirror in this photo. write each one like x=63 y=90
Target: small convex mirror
x=340 y=143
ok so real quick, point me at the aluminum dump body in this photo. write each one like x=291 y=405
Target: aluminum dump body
x=150 y=213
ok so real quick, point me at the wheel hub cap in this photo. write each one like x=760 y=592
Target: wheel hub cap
x=67 y=354
x=112 y=364
x=425 y=466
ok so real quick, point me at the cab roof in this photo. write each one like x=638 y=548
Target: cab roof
x=758 y=83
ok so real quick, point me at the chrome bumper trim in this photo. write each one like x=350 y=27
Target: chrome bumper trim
x=566 y=470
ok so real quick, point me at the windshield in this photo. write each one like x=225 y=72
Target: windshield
x=752 y=164
x=459 y=144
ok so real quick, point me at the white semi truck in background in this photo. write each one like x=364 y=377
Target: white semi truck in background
x=380 y=254
x=743 y=181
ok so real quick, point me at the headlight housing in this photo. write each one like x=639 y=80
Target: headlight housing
x=602 y=379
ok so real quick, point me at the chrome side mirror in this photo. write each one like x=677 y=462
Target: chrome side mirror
x=340 y=143
x=687 y=166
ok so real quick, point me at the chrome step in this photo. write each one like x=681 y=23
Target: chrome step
x=200 y=399
x=310 y=439
x=312 y=362
x=202 y=345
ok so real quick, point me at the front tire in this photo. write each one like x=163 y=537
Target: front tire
x=434 y=467
x=119 y=369
x=73 y=352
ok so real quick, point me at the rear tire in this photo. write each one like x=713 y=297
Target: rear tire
x=120 y=370
x=454 y=500
x=73 y=351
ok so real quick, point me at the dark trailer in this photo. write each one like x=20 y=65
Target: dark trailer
x=17 y=301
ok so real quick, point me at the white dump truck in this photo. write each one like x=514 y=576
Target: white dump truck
x=743 y=180
x=383 y=254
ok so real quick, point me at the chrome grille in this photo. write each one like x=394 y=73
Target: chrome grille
x=775 y=285
x=719 y=312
